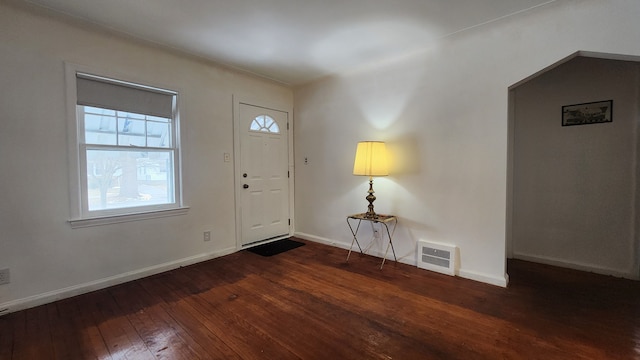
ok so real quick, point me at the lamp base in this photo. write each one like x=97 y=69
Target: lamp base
x=370 y=214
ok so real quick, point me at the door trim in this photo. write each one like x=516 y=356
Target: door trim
x=237 y=179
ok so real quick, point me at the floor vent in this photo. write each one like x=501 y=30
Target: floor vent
x=437 y=257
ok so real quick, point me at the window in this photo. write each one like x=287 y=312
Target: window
x=265 y=123
x=128 y=153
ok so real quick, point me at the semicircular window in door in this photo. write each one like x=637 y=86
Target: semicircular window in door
x=265 y=123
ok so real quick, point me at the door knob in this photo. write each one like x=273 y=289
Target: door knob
x=245 y=186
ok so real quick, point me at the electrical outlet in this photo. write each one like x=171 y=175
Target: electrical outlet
x=207 y=235
x=4 y=276
x=376 y=233
x=227 y=157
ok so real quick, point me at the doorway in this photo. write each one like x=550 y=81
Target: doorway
x=573 y=189
x=262 y=174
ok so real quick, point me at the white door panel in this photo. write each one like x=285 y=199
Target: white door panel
x=264 y=190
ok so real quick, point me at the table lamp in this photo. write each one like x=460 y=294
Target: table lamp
x=371 y=160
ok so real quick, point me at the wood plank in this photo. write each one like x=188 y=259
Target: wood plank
x=163 y=336
x=188 y=319
x=122 y=340
x=381 y=312
x=32 y=339
x=20 y=340
x=66 y=343
x=233 y=330
x=6 y=335
x=309 y=303
x=77 y=331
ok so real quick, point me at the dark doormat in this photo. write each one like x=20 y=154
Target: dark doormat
x=275 y=248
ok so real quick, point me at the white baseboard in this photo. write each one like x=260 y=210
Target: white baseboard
x=497 y=281
x=484 y=278
x=55 y=295
x=346 y=246
x=51 y=296
x=576 y=265
x=321 y=240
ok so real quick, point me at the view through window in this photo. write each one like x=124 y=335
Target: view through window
x=128 y=148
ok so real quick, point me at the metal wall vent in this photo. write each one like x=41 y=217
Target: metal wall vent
x=437 y=257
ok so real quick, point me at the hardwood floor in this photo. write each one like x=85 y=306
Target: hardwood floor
x=308 y=303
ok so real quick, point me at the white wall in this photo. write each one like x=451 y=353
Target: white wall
x=47 y=258
x=574 y=186
x=444 y=114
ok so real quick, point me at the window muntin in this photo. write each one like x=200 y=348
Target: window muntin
x=264 y=123
x=129 y=160
x=112 y=127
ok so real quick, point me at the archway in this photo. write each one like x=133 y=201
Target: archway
x=572 y=189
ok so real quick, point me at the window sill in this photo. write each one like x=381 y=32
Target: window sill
x=115 y=219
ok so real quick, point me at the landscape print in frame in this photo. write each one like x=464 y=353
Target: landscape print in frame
x=588 y=113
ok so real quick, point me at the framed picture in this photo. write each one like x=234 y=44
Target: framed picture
x=587 y=113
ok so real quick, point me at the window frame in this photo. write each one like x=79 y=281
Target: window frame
x=80 y=216
x=262 y=127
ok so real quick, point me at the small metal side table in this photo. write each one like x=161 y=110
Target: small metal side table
x=381 y=219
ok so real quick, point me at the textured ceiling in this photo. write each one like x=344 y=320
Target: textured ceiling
x=292 y=41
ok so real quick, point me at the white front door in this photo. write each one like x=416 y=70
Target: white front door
x=263 y=179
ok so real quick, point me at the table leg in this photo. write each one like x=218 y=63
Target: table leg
x=389 y=244
x=354 y=238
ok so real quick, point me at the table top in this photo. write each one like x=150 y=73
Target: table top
x=381 y=218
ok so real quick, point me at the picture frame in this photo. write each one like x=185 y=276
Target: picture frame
x=596 y=112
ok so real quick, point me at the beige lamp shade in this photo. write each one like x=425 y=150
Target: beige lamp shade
x=371 y=159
